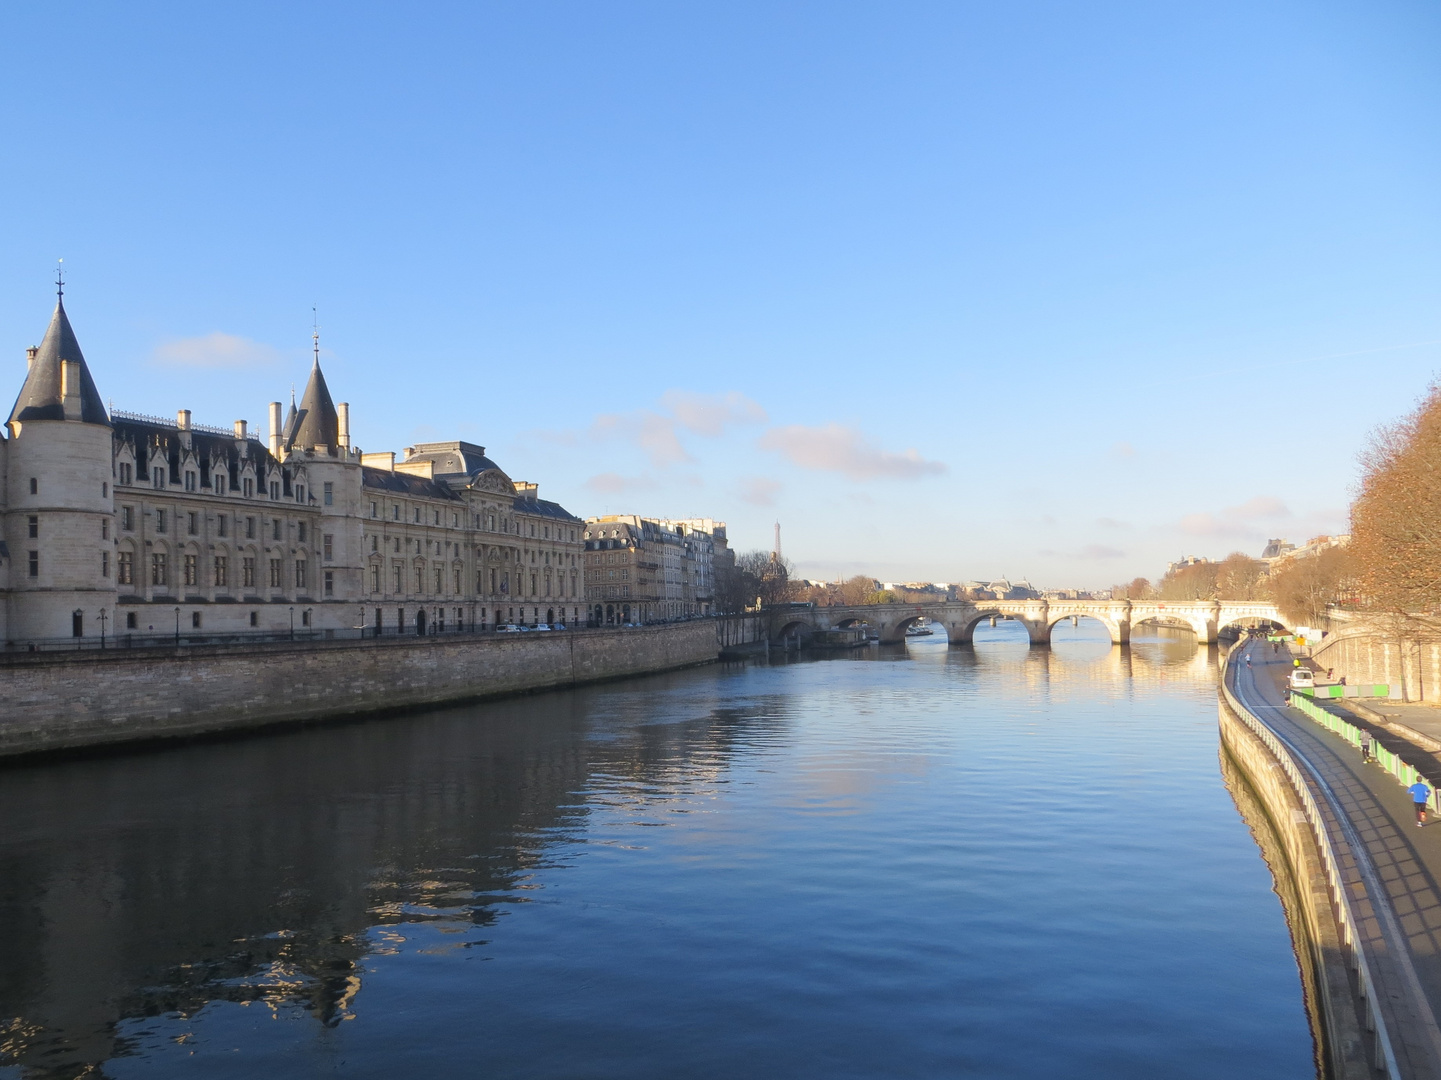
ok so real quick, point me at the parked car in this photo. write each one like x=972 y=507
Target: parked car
x=507 y=628
x=541 y=626
x=1302 y=678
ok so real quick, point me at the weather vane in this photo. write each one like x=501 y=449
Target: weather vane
x=315 y=331
x=59 y=277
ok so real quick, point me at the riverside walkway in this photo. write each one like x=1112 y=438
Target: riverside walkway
x=1403 y=863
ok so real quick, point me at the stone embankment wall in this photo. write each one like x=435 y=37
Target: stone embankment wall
x=1277 y=819
x=1369 y=654
x=55 y=701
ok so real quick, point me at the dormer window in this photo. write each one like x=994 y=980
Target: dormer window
x=247 y=487
x=191 y=480
x=275 y=490
x=127 y=472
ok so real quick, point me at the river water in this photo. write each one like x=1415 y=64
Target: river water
x=903 y=862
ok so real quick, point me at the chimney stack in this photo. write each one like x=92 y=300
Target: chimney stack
x=30 y=356
x=240 y=429
x=342 y=411
x=275 y=429
x=70 y=388
x=182 y=419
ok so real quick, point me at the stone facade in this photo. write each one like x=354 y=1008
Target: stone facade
x=131 y=525
x=644 y=570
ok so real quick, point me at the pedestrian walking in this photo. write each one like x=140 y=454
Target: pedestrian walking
x=1328 y=673
x=1420 y=793
x=1248 y=661
x=1275 y=647
x=1367 y=743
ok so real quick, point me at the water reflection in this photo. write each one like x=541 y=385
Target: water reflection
x=264 y=869
x=817 y=867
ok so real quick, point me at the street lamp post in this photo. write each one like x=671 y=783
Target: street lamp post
x=292 y=624
x=177 y=628
x=102 y=628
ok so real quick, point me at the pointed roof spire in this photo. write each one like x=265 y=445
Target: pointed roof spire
x=319 y=423
x=43 y=395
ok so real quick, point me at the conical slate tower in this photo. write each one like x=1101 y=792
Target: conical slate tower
x=43 y=395
x=319 y=422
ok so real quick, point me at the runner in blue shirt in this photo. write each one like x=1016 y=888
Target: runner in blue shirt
x=1419 y=794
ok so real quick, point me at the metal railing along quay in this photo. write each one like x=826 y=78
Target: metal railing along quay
x=1306 y=781
x=187 y=637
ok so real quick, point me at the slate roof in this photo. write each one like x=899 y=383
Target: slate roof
x=453 y=458
x=319 y=423
x=40 y=397
x=546 y=509
x=206 y=448
x=406 y=484
x=419 y=487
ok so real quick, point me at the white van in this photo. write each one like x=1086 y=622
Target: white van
x=1302 y=678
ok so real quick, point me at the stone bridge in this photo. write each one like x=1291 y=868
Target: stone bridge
x=1205 y=618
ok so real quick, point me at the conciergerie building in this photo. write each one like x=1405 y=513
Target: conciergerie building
x=124 y=525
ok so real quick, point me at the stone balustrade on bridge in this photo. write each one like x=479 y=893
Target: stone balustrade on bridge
x=1205 y=618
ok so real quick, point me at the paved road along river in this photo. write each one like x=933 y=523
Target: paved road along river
x=904 y=862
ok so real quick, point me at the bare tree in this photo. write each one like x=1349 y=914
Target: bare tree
x=1138 y=589
x=1302 y=588
x=764 y=577
x=1196 y=581
x=856 y=590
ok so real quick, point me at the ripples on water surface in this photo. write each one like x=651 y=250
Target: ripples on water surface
x=911 y=862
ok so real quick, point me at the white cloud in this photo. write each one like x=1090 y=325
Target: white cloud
x=1091 y=552
x=1262 y=506
x=214 y=350
x=1243 y=521
x=614 y=484
x=759 y=491
x=709 y=414
x=837 y=448
x=653 y=433
x=658 y=434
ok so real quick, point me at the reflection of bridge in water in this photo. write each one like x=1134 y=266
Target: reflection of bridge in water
x=1204 y=618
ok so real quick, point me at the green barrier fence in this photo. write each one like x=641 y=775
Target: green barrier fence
x=1389 y=761
x=1339 y=691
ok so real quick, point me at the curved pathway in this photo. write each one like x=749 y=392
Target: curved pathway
x=1405 y=941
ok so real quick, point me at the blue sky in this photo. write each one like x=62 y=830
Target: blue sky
x=950 y=289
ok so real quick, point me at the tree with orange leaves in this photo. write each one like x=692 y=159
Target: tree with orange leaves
x=1396 y=518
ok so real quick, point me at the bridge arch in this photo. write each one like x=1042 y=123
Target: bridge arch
x=1247 y=622
x=1038 y=632
x=792 y=632
x=897 y=632
x=1176 y=621
x=1112 y=626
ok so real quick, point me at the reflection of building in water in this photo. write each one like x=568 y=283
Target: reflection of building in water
x=265 y=870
